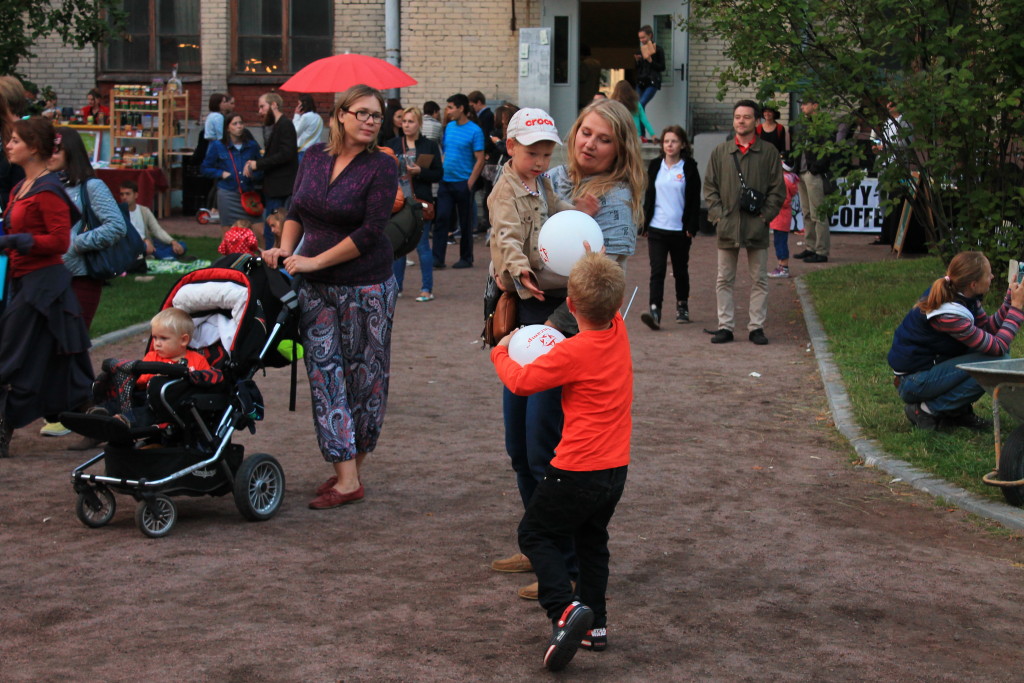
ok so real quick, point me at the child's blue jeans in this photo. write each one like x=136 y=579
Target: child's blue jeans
x=781 y=241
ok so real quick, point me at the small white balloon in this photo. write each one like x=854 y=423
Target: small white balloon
x=561 y=239
x=533 y=341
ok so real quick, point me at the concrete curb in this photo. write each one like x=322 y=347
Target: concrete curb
x=118 y=335
x=870 y=450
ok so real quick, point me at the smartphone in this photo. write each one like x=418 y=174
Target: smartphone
x=1020 y=272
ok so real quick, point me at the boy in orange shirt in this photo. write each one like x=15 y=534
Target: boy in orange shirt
x=585 y=479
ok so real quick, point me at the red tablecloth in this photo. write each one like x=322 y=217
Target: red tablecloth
x=150 y=181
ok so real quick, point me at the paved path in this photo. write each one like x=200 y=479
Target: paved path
x=747 y=546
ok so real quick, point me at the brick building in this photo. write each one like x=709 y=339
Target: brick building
x=247 y=47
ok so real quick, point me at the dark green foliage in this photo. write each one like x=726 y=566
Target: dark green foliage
x=954 y=68
x=77 y=22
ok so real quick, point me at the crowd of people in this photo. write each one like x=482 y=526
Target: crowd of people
x=325 y=205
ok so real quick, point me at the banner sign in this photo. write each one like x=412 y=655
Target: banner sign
x=862 y=211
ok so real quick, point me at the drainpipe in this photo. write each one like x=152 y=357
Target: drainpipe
x=392 y=37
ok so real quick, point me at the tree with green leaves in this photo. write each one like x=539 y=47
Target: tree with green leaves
x=953 y=68
x=77 y=22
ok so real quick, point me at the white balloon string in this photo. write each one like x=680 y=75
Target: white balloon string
x=635 y=289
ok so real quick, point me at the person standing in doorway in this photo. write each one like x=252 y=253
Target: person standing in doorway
x=735 y=165
x=463 y=160
x=650 y=62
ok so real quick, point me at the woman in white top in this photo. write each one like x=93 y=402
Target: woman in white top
x=220 y=106
x=308 y=124
x=671 y=220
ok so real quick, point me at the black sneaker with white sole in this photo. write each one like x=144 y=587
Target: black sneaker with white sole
x=567 y=633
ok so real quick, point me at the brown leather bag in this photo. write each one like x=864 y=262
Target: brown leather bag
x=502 y=320
x=428 y=209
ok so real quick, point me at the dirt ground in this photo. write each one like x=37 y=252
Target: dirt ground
x=747 y=545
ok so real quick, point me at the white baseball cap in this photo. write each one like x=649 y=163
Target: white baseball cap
x=528 y=126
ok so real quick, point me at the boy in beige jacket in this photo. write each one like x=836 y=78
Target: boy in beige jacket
x=522 y=199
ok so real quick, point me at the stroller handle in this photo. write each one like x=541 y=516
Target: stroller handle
x=289 y=301
x=156 y=368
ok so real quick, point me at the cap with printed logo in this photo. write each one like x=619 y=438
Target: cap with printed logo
x=528 y=126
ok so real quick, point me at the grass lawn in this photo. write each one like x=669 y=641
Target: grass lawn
x=860 y=306
x=127 y=301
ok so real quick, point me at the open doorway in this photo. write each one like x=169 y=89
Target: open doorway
x=608 y=31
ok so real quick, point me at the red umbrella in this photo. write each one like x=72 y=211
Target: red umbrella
x=340 y=72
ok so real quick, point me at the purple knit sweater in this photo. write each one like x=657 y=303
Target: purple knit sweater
x=357 y=205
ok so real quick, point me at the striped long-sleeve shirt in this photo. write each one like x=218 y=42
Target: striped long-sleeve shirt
x=991 y=335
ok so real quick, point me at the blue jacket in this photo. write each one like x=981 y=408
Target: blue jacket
x=218 y=160
x=917 y=346
x=111 y=229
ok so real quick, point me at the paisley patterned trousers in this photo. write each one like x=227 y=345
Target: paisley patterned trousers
x=346 y=332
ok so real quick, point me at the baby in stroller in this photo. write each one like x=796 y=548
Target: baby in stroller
x=120 y=395
x=185 y=418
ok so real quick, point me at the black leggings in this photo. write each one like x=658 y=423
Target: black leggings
x=663 y=244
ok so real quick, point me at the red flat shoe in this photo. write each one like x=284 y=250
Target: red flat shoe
x=332 y=499
x=329 y=484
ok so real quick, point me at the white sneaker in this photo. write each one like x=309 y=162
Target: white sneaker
x=54 y=429
x=781 y=271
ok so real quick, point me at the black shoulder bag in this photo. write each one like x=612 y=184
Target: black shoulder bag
x=111 y=261
x=750 y=199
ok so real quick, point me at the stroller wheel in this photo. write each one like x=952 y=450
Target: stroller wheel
x=96 y=507
x=259 y=487
x=156 y=518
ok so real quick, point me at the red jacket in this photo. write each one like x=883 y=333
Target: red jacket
x=47 y=214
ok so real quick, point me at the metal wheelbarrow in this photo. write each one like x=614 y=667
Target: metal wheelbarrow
x=1004 y=379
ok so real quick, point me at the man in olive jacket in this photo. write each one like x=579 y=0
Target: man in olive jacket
x=762 y=170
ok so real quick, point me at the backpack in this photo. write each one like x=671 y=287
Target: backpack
x=405 y=227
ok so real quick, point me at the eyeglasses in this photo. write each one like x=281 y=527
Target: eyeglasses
x=363 y=115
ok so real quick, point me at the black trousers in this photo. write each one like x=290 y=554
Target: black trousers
x=662 y=245
x=574 y=506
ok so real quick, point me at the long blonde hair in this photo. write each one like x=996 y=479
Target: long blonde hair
x=628 y=166
x=336 y=139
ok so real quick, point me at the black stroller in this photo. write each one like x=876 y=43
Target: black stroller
x=243 y=310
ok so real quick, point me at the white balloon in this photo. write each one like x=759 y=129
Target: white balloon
x=533 y=341
x=561 y=239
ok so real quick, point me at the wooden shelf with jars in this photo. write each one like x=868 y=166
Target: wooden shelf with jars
x=144 y=127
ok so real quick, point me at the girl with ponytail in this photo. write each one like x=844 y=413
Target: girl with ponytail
x=948 y=327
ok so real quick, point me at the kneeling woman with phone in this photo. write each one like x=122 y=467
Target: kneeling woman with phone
x=948 y=327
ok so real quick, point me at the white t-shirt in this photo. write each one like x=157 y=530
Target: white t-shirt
x=669 y=194
x=137 y=222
